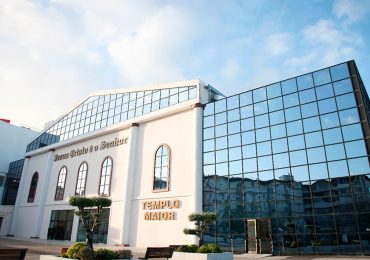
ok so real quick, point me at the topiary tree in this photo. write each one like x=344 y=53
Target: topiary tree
x=202 y=221
x=89 y=210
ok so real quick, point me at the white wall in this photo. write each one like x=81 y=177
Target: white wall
x=132 y=171
x=13 y=143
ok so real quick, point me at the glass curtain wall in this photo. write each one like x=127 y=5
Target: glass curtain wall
x=293 y=152
x=100 y=111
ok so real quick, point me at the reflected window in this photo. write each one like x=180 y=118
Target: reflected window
x=335 y=152
x=309 y=110
x=352 y=132
x=162 y=169
x=349 y=116
x=316 y=155
x=343 y=86
x=279 y=145
x=274 y=90
x=305 y=81
x=33 y=187
x=321 y=77
x=307 y=96
x=324 y=91
x=259 y=94
x=339 y=72
x=327 y=105
x=59 y=192
x=105 y=177
x=346 y=101
x=332 y=136
x=81 y=179
x=355 y=149
x=245 y=98
x=289 y=86
x=313 y=139
x=359 y=166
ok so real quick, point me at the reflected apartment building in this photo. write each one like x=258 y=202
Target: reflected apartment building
x=284 y=166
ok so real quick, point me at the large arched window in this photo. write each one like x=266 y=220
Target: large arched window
x=81 y=179
x=59 y=192
x=161 y=169
x=33 y=187
x=105 y=177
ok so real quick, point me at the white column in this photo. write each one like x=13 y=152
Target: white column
x=198 y=156
x=42 y=188
x=128 y=183
x=21 y=190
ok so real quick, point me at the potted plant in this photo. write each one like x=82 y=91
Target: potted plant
x=203 y=251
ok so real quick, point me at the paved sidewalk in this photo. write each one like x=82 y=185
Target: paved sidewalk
x=37 y=247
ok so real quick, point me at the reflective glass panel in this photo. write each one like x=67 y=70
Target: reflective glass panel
x=321 y=77
x=260 y=108
x=329 y=120
x=297 y=158
x=305 y=81
x=294 y=128
x=355 y=149
x=296 y=142
x=307 y=96
x=318 y=171
x=279 y=145
x=332 y=136
x=359 y=166
x=277 y=117
x=352 y=132
x=274 y=90
x=346 y=101
x=292 y=114
x=309 y=110
x=259 y=94
x=246 y=111
x=262 y=134
x=324 y=91
x=327 y=105
x=335 y=152
x=289 y=86
x=349 y=116
x=245 y=98
x=278 y=131
x=343 y=86
x=339 y=72
x=275 y=104
x=291 y=100
x=313 y=139
x=338 y=169
x=316 y=155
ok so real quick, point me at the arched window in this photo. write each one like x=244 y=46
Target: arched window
x=59 y=192
x=105 y=177
x=161 y=169
x=33 y=187
x=81 y=179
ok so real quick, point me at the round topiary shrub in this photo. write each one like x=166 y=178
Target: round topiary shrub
x=188 y=248
x=74 y=249
x=209 y=248
x=123 y=254
x=103 y=253
x=86 y=253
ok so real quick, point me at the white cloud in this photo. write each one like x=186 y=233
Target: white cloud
x=278 y=43
x=351 y=10
x=153 y=53
x=230 y=69
x=326 y=43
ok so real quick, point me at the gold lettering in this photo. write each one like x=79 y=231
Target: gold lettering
x=176 y=204
x=163 y=204
x=170 y=215
x=147 y=216
x=157 y=204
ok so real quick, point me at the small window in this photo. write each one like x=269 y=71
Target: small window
x=105 y=177
x=33 y=187
x=162 y=169
x=81 y=179
x=59 y=192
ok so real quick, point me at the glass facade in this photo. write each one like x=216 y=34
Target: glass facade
x=60 y=227
x=12 y=182
x=101 y=233
x=100 y=111
x=292 y=152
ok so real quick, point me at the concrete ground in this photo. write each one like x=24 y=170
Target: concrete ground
x=37 y=247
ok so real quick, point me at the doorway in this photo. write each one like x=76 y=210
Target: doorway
x=258 y=235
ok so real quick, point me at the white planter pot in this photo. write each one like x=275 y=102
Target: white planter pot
x=198 y=256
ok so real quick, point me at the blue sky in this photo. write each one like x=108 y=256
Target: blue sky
x=54 y=53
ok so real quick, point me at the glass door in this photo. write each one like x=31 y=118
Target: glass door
x=258 y=235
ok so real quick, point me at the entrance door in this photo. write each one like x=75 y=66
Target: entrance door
x=258 y=235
